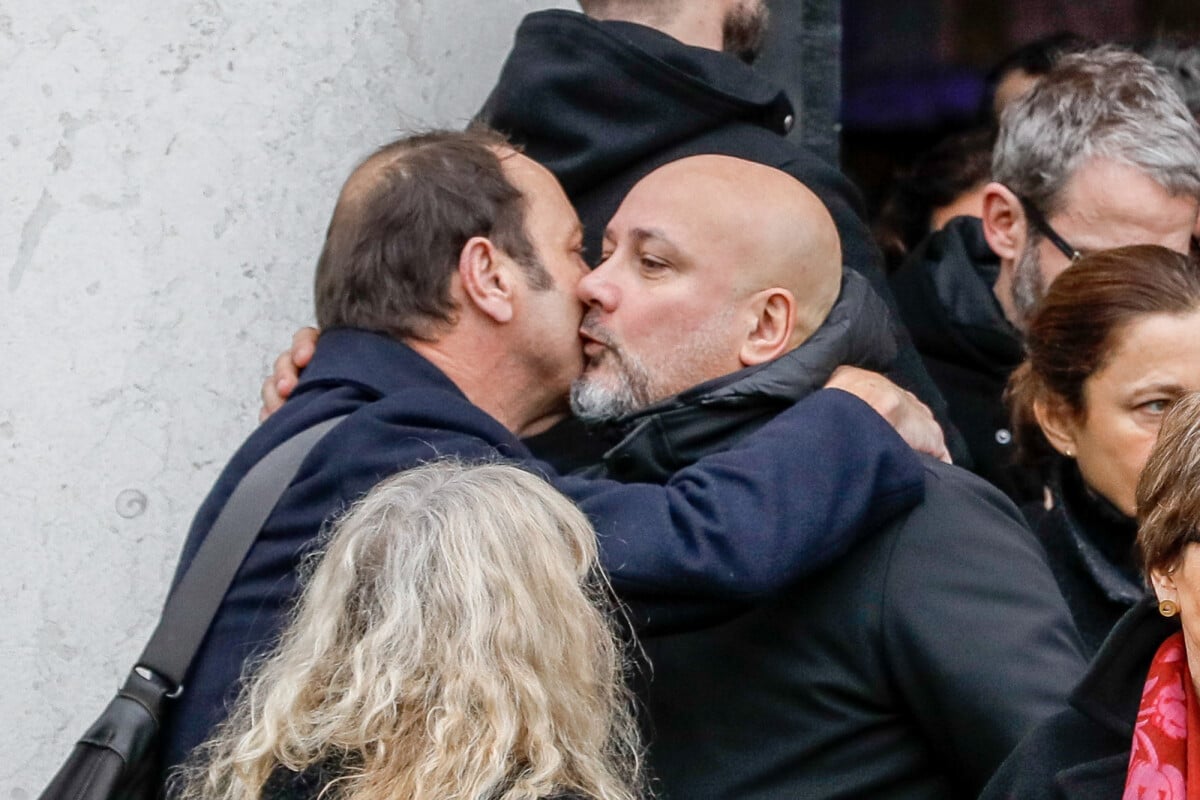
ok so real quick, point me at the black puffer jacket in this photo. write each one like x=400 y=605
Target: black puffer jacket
x=603 y=104
x=907 y=669
x=944 y=291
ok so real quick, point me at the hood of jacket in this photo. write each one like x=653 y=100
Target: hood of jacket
x=590 y=98
x=663 y=438
x=945 y=295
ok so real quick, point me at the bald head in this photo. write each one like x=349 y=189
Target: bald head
x=776 y=232
x=711 y=264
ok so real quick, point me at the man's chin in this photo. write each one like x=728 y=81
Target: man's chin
x=593 y=401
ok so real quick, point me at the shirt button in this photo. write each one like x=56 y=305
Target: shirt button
x=788 y=122
x=1003 y=436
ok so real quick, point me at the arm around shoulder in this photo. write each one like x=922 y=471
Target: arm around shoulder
x=744 y=522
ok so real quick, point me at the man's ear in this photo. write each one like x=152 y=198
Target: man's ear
x=1004 y=222
x=487 y=279
x=1058 y=423
x=774 y=320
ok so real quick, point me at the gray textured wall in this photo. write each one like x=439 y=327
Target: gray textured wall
x=167 y=168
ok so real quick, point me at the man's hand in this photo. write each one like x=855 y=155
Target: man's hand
x=279 y=386
x=911 y=418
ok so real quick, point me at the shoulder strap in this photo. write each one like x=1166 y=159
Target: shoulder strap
x=190 y=609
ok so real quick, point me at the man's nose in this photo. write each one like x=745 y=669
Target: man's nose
x=595 y=289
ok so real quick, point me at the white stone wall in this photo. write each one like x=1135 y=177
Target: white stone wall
x=167 y=168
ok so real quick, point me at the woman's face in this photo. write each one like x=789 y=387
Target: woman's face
x=1156 y=359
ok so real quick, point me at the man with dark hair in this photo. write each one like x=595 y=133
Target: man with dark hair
x=1100 y=153
x=450 y=348
x=1015 y=74
x=417 y=201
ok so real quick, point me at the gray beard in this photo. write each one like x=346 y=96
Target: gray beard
x=592 y=400
x=1028 y=287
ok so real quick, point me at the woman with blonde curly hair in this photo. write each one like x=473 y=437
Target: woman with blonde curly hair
x=455 y=641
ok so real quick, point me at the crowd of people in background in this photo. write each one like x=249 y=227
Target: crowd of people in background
x=665 y=473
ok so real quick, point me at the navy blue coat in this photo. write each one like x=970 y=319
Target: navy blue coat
x=741 y=523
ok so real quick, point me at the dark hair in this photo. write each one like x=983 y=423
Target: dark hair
x=1168 y=492
x=955 y=165
x=399 y=227
x=1033 y=58
x=1077 y=325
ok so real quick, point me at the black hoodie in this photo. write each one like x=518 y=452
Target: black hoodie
x=603 y=104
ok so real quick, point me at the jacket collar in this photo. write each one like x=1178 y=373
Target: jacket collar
x=1090 y=521
x=663 y=438
x=374 y=362
x=952 y=310
x=1111 y=691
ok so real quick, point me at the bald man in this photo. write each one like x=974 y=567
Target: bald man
x=913 y=665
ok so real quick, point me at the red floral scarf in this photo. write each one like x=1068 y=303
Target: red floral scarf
x=1166 y=738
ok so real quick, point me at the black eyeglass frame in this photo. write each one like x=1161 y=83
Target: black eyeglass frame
x=1043 y=225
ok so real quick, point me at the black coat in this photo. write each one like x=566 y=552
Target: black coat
x=793 y=497
x=603 y=104
x=944 y=291
x=1089 y=545
x=1082 y=753
x=908 y=669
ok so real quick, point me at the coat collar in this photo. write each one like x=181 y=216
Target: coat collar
x=375 y=362
x=1111 y=691
x=1091 y=522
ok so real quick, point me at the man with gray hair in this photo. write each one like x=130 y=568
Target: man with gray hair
x=1100 y=153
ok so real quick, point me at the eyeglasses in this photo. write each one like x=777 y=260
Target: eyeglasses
x=1043 y=225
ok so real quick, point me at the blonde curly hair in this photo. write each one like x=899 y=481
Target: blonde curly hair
x=455 y=641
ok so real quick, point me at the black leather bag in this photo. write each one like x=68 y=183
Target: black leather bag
x=117 y=758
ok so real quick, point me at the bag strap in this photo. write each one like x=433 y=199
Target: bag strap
x=190 y=609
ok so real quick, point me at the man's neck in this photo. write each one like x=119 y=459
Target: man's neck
x=494 y=383
x=694 y=23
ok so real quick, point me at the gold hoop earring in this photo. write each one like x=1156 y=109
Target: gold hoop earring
x=1168 y=608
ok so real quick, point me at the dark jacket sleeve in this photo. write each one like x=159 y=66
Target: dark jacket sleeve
x=977 y=634
x=783 y=502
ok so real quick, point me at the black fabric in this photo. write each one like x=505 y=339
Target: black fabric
x=1089 y=544
x=117 y=758
x=603 y=104
x=944 y=291
x=1082 y=753
x=908 y=669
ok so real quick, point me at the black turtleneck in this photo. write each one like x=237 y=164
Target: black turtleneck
x=1090 y=545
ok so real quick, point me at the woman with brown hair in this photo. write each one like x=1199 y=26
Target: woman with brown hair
x=455 y=641
x=1133 y=728
x=1113 y=344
